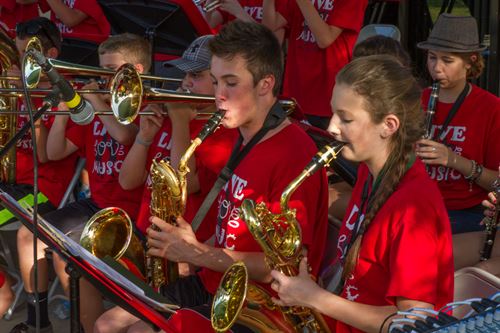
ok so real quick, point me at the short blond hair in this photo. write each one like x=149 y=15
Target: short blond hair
x=134 y=48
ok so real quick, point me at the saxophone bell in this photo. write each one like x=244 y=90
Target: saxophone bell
x=280 y=238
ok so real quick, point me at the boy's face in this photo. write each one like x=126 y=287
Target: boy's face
x=235 y=91
x=111 y=60
x=198 y=82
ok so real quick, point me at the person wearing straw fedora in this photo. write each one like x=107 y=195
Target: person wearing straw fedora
x=462 y=151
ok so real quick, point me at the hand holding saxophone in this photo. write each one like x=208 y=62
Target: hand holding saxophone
x=435 y=153
x=299 y=290
x=175 y=243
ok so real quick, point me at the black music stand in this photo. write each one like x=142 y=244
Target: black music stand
x=87 y=267
x=170 y=25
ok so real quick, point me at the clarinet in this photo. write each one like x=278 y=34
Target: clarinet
x=431 y=109
x=491 y=224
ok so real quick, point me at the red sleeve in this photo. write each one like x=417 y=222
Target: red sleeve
x=492 y=151
x=409 y=279
x=44 y=6
x=2 y=279
x=89 y=7
x=77 y=134
x=8 y=4
x=284 y=8
x=348 y=14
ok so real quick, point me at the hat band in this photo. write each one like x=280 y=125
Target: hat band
x=453 y=44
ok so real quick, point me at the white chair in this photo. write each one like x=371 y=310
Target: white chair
x=472 y=282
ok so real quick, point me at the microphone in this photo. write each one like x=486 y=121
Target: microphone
x=81 y=111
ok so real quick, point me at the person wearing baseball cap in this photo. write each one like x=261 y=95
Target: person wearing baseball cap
x=195 y=58
x=463 y=150
x=166 y=137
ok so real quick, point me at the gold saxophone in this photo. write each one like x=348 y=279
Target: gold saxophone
x=280 y=237
x=8 y=122
x=168 y=199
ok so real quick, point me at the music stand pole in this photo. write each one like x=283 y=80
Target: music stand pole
x=74 y=297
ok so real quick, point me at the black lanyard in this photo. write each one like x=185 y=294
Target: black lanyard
x=453 y=112
x=274 y=118
x=366 y=200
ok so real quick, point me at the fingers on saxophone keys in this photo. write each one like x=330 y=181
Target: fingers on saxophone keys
x=277 y=301
x=275 y=285
x=211 y=6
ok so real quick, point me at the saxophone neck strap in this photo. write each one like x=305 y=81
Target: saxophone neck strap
x=453 y=112
x=273 y=119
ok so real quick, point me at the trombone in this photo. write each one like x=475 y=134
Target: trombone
x=126 y=86
x=33 y=70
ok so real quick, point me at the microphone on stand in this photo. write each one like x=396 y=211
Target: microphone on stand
x=81 y=111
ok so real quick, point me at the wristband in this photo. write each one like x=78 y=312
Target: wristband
x=141 y=142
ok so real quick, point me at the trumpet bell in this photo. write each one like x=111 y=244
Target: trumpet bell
x=126 y=94
x=31 y=69
x=109 y=232
x=229 y=298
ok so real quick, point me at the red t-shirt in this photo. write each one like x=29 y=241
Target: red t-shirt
x=53 y=176
x=406 y=250
x=94 y=28
x=251 y=7
x=211 y=156
x=310 y=71
x=262 y=176
x=104 y=158
x=472 y=133
x=13 y=13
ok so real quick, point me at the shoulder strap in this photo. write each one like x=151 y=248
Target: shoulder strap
x=453 y=112
x=275 y=117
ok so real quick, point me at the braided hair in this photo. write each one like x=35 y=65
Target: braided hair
x=387 y=87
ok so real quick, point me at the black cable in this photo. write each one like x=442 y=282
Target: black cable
x=381 y=329
x=446 y=317
x=422 y=325
x=488 y=302
x=29 y=108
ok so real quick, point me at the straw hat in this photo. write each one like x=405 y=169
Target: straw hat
x=453 y=34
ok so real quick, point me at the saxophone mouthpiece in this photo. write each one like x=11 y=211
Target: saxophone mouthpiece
x=211 y=125
x=325 y=156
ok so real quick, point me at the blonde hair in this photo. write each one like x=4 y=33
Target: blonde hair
x=387 y=87
x=134 y=48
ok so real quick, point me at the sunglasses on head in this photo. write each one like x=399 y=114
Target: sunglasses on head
x=34 y=29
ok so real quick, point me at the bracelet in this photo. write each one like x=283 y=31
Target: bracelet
x=479 y=171
x=141 y=142
x=475 y=173
x=472 y=171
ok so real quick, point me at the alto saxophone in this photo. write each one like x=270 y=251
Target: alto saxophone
x=168 y=199
x=431 y=110
x=491 y=223
x=8 y=123
x=280 y=237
